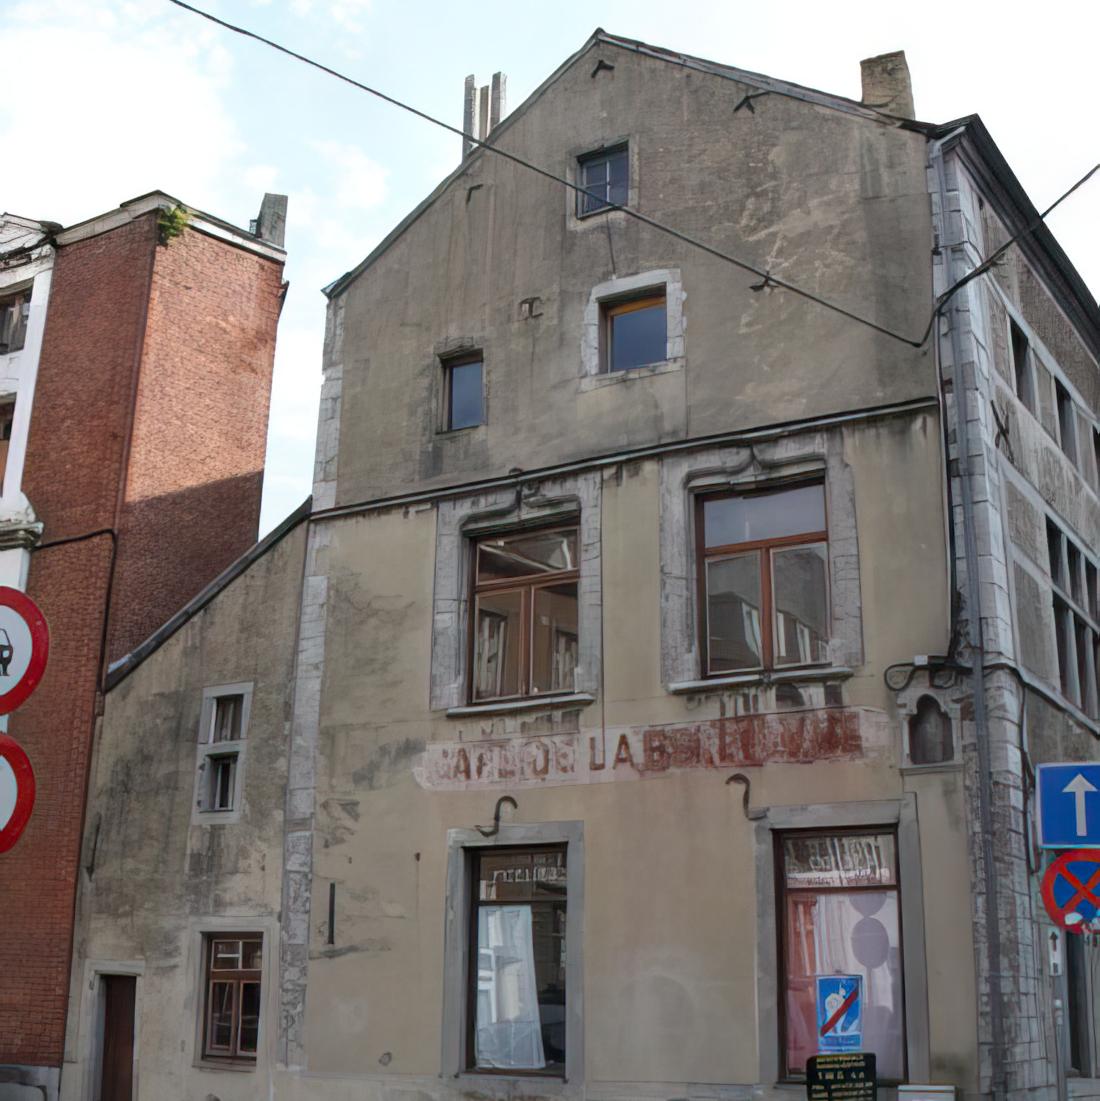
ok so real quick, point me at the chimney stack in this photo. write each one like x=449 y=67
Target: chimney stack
x=482 y=109
x=886 y=84
x=271 y=221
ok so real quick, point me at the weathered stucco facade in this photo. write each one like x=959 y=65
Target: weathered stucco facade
x=376 y=770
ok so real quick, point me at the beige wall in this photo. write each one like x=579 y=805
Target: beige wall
x=159 y=881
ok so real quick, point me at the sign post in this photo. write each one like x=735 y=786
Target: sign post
x=24 y=649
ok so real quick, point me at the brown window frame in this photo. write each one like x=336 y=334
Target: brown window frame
x=703 y=554
x=238 y=977
x=781 y=892
x=527 y=589
x=610 y=308
x=473 y=858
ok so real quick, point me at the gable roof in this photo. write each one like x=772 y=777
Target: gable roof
x=765 y=84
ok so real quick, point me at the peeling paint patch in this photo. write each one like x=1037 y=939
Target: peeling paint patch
x=639 y=752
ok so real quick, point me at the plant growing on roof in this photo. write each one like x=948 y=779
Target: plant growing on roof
x=171 y=223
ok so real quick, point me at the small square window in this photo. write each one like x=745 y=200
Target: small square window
x=635 y=332
x=604 y=179
x=231 y=1013
x=464 y=395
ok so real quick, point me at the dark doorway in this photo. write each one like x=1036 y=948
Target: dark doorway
x=116 y=1082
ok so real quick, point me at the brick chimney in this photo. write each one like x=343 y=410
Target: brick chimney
x=886 y=84
x=482 y=109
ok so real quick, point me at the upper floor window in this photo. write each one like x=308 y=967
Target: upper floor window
x=525 y=614
x=763 y=575
x=604 y=179
x=15 y=309
x=222 y=730
x=634 y=331
x=1076 y=605
x=463 y=392
x=1067 y=422
x=1021 y=365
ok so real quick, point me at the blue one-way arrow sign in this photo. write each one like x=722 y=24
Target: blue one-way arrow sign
x=1069 y=805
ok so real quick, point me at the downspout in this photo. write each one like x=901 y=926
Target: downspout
x=994 y=951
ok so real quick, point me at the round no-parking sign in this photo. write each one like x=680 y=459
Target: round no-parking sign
x=24 y=647
x=16 y=792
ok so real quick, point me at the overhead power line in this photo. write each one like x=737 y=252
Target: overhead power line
x=769 y=280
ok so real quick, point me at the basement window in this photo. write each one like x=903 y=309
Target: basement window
x=221 y=752
x=15 y=310
x=604 y=179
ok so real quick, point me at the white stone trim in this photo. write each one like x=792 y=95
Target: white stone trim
x=573 y=495
x=670 y=280
x=326 y=461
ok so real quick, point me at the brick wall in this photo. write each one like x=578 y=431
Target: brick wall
x=181 y=336
x=200 y=429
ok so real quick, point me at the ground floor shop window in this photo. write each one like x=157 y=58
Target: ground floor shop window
x=231 y=1025
x=517 y=960
x=839 y=915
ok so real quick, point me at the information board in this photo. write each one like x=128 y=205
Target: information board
x=841 y=1077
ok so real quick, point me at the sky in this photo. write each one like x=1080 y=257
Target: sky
x=105 y=100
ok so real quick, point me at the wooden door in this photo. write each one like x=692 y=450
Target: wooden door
x=116 y=1083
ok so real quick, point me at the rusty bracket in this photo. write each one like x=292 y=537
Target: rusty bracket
x=765 y=284
x=496 y=817
x=751 y=814
x=747 y=102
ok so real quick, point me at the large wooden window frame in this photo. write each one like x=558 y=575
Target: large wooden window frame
x=765 y=547
x=781 y=893
x=474 y=858
x=236 y=978
x=527 y=588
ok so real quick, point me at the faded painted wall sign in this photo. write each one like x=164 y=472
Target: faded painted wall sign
x=632 y=753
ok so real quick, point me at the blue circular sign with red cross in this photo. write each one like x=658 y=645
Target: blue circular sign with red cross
x=1071 y=891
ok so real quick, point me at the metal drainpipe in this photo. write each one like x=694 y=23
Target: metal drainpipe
x=981 y=720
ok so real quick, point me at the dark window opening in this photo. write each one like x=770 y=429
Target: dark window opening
x=1067 y=428
x=604 y=179
x=839 y=914
x=226 y=723
x=930 y=741
x=231 y=1026
x=15 y=312
x=517 y=985
x=525 y=623
x=1025 y=389
x=1054 y=553
x=7 y=418
x=763 y=576
x=464 y=394
x=634 y=332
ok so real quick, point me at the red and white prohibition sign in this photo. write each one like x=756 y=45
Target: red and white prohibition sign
x=24 y=647
x=16 y=791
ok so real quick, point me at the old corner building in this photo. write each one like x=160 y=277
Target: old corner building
x=656 y=638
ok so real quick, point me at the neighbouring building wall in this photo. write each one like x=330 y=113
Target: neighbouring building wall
x=195 y=465
x=155 y=877
x=835 y=202
x=1036 y=523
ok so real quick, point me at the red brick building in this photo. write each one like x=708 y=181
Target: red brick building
x=140 y=379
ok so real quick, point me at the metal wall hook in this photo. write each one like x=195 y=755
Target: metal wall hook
x=751 y=815
x=496 y=816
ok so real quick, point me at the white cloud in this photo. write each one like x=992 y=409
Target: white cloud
x=359 y=183
x=130 y=105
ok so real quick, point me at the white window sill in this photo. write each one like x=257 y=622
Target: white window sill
x=743 y=680
x=501 y=707
x=610 y=378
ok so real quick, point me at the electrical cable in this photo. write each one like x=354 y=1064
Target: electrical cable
x=744 y=265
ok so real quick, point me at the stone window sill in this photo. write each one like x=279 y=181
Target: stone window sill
x=611 y=378
x=748 y=680
x=501 y=707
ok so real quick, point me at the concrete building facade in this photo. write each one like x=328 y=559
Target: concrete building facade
x=137 y=356
x=657 y=638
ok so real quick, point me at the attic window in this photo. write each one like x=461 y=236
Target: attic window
x=604 y=178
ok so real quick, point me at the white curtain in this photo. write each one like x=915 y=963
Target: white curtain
x=509 y=1034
